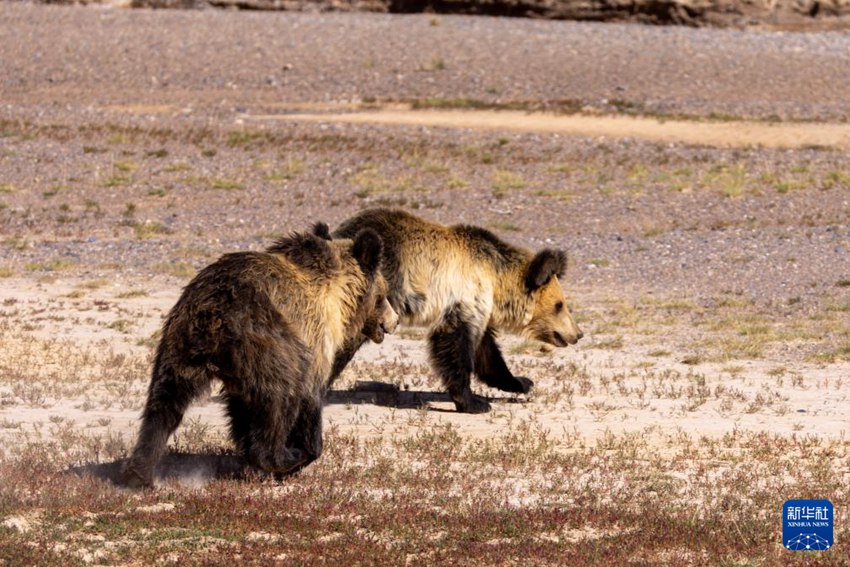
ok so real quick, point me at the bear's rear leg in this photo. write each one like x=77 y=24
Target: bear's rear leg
x=240 y=416
x=260 y=430
x=306 y=435
x=452 y=349
x=169 y=394
x=491 y=368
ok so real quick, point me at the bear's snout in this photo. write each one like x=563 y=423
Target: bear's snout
x=560 y=341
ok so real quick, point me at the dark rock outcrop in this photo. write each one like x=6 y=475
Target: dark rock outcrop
x=792 y=14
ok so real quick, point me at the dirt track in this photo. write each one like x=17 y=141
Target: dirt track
x=734 y=134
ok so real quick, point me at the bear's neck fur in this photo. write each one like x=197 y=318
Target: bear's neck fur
x=512 y=304
x=334 y=311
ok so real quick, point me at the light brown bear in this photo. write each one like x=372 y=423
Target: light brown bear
x=466 y=284
x=268 y=325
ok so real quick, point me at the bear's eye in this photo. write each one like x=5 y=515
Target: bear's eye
x=559 y=307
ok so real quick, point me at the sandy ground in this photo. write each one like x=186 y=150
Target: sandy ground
x=729 y=134
x=709 y=256
x=73 y=366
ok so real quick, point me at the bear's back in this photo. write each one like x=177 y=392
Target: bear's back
x=286 y=293
x=430 y=266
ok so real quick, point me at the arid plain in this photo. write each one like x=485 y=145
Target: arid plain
x=699 y=180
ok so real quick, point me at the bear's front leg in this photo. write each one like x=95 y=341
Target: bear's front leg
x=452 y=345
x=344 y=355
x=491 y=368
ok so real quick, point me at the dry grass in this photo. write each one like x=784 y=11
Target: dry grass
x=608 y=463
x=670 y=435
x=436 y=497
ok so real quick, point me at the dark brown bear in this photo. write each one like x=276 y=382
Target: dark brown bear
x=467 y=285
x=268 y=325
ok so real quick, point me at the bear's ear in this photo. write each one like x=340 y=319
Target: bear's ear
x=306 y=250
x=367 y=250
x=545 y=265
x=322 y=230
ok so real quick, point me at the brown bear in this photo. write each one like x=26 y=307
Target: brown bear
x=268 y=325
x=466 y=284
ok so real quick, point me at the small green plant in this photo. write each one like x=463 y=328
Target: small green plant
x=132 y=293
x=558 y=194
x=94 y=284
x=55 y=265
x=289 y=170
x=150 y=229
x=53 y=191
x=612 y=343
x=177 y=167
x=454 y=103
x=437 y=64
x=92 y=207
x=789 y=185
x=125 y=166
x=840 y=307
x=226 y=184
x=455 y=182
x=834 y=178
x=176 y=269
x=242 y=138
x=119 y=138
x=562 y=168
x=729 y=180
x=369 y=180
x=505 y=225
x=505 y=181
x=121 y=325
x=116 y=181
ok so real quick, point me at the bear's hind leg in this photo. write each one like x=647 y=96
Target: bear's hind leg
x=306 y=435
x=169 y=394
x=265 y=392
x=452 y=348
x=240 y=416
x=491 y=368
x=264 y=444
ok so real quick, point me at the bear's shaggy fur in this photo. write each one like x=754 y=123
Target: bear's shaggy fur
x=466 y=284
x=268 y=325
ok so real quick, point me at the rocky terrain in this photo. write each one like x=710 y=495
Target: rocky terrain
x=698 y=179
x=754 y=14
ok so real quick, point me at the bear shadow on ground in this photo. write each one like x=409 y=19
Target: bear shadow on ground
x=184 y=468
x=195 y=469
x=390 y=395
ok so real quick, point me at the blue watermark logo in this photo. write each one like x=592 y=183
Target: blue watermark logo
x=807 y=525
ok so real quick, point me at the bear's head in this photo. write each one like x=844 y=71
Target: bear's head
x=551 y=321
x=381 y=317
x=378 y=316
